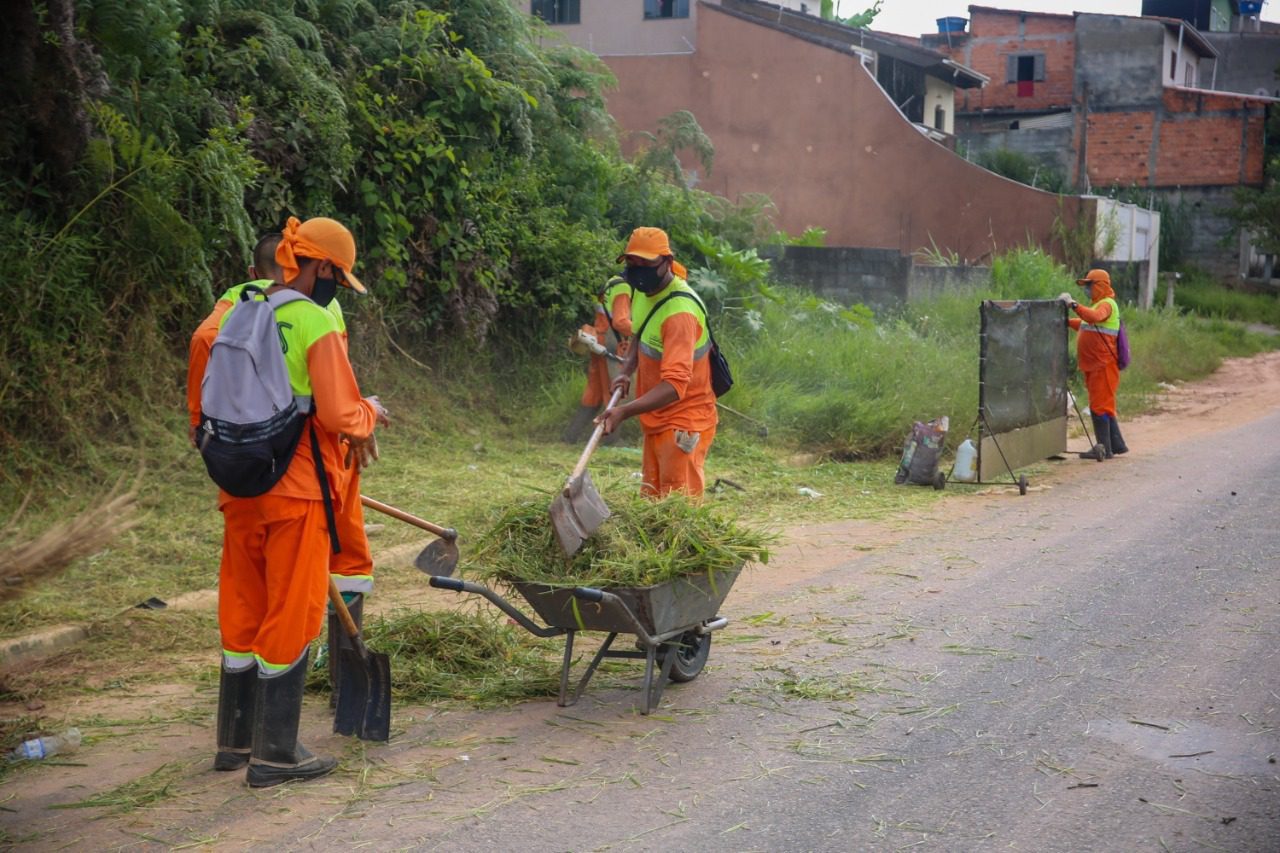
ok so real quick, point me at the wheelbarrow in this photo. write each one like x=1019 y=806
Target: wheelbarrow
x=672 y=623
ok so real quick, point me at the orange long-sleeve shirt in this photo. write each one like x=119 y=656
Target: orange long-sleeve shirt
x=695 y=407
x=1094 y=350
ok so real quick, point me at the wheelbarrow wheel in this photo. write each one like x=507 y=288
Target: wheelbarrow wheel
x=689 y=652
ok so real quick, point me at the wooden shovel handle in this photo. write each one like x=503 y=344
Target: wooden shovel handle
x=386 y=509
x=594 y=440
x=340 y=607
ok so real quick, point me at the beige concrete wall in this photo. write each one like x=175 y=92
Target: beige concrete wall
x=939 y=94
x=809 y=127
x=618 y=28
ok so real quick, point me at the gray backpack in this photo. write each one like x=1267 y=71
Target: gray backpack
x=250 y=422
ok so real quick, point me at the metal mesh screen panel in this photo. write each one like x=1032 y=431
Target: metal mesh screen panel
x=1023 y=369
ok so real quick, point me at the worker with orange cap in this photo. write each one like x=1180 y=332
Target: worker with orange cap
x=1098 y=353
x=276 y=547
x=669 y=357
x=352 y=567
x=612 y=330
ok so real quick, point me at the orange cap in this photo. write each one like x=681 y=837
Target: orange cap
x=647 y=243
x=1095 y=275
x=323 y=239
x=651 y=244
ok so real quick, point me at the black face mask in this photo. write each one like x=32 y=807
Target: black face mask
x=644 y=279
x=324 y=291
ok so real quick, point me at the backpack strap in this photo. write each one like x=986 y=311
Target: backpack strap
x=706 y=317
x=654 y=310
x=325 y=494
x=276 y=300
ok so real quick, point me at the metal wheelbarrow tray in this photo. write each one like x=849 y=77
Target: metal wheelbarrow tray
x=672 y=623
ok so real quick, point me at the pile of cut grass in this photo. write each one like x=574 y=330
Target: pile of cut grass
x=471 y=657
x=644 y=542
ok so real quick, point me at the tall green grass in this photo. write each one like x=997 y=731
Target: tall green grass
x=1199 y=294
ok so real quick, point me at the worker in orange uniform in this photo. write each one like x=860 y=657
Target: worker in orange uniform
x=612 y=319
x=352 y=567
x=674 y=399
x=275 y=560
x=1097 y=352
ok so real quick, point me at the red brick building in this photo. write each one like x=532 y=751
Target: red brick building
x=1114 y=101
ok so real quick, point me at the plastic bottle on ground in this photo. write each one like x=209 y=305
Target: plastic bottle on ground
x=43 y=747
x=966 y=469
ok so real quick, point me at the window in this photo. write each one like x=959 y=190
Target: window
x=666 y=9
x=556 y=11
x=1173 y=65
x=940 y=118
x=1025 y=69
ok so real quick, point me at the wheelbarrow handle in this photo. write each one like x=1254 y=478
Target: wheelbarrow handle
x=591 y=444
x=452 y=584
x=586 y=593
x=386 y=509
x=610 y=600
x=459 y=585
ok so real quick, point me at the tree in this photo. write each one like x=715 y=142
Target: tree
x=862 y=20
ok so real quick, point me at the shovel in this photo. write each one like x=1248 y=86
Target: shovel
x=578 y=511
x=437 y=559
x=364 y=682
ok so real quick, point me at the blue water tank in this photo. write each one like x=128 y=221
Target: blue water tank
x=952 y=25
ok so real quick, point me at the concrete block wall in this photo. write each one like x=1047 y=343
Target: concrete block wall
x=931 y=282
x=1050 y=146
x=881 y=279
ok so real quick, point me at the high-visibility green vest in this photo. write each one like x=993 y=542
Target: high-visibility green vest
x=642 y=305
x=300 y=324
x=1109 y=326
x=232 y=294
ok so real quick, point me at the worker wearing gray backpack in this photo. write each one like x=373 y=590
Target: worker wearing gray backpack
x=276 y=395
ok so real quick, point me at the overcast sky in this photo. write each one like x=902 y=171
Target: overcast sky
x=915 y=17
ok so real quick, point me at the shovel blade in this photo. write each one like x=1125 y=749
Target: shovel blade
x=438 y=559
x=364 y=695
x=576 y=513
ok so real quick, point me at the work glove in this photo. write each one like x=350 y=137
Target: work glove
x=361 y=454
x=381 y=417
x=1066 y=297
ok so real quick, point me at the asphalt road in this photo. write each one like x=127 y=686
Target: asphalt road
x=1092 y=667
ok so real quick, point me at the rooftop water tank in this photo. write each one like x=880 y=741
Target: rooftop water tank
x=952 y=25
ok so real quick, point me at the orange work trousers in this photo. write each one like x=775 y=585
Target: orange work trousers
x=596 y=393
x=1101 y=385
x=274 y=579
x=352 y=568
x=667 y=466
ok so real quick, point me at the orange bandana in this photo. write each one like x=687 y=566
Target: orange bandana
x=320 y=238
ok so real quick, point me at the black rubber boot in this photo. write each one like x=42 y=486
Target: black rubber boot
x=236 y=690
x=338 y=639
x=1117 y=441
x=1102 y=433
x=277 y=756
x=579 y=425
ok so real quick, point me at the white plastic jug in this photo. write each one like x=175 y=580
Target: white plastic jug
x=966 y=468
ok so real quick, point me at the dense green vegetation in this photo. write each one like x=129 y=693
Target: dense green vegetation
x=467 y=149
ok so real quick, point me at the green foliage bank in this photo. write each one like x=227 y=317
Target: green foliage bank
x=149 y=142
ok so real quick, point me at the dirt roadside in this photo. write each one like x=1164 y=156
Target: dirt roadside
x=184 y=803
